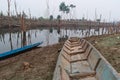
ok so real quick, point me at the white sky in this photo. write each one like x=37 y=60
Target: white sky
x=84 y=8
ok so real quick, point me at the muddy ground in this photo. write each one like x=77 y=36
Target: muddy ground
x=39 y=63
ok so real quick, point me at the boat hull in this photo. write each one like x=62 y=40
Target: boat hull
x=15 y=51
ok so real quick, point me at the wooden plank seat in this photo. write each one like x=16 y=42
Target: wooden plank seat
x=88 y=78
x=83 y=71
x=77 y=57
x=72 y=48
x=74 y=58
x=82 y=75
x=77 y=41
x=81 y=67
x=74 y=45
x=78 y=76
x=74 y=39
x=80 y=46
x=74 y=42
x=75 y=50
x=82 y=57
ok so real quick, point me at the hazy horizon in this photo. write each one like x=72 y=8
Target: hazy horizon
x=38 y=8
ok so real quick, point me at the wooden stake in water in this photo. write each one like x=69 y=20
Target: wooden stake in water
x=23 y=31
x=9 y=24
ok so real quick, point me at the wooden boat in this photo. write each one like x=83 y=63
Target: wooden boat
x=79 y=60
x=15 y=51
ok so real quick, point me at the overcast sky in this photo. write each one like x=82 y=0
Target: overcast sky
x=108 y=8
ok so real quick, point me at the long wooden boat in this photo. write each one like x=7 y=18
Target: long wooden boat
x=79 y=60
x=15 y=51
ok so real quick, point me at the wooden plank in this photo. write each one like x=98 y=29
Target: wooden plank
x=75 y=44
x=72 y=45
x=81 y=51
x=77 y=47
x=74 y=39
x=82 y=74
x=73 y=61
x=69 y=42
x=65 y=64
x=66 y=50
x=81 y=57
x=88 y=78
x=83 y=43
x=75 y=57
x=66 y=56
x=68 y=47
x=88 y=52
x=93 y=59
x=81 y=67
x=74 y=52
x=78 y=57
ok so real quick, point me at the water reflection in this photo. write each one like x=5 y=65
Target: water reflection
x=48 y=36
x=10 y=41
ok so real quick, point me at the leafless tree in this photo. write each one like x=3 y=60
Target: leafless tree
x=15 y=4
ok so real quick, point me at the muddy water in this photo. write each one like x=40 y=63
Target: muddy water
x=48 y=36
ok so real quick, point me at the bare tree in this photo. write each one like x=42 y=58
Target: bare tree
x=8 y=7
x=29 y=13
x=15 y=4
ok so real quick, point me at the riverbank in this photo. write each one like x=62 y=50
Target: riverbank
x=39 y=63
x=15 y=22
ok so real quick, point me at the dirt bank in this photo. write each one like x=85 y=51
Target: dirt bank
x=37 y=64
